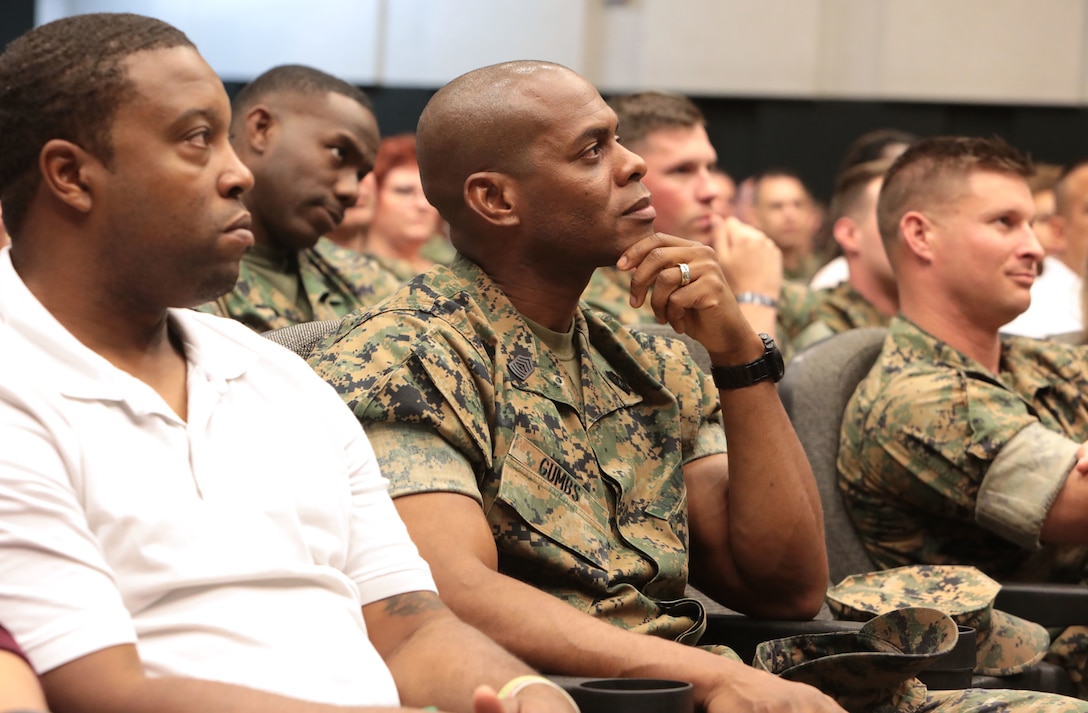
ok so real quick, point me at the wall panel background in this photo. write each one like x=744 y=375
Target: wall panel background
x=783 y=82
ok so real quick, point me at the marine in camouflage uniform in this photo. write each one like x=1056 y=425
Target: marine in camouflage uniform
x=332 y=281
x=595 y=517
x=838 y=309
x=594 y=514
x=609 y=291
x=941 y=462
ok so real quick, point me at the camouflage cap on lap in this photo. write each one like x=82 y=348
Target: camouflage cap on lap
x=872 y=669
x=1006 y=644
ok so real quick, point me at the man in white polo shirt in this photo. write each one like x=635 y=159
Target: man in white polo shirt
x=190 y=520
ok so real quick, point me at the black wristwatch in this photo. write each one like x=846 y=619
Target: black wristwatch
x=769 y=366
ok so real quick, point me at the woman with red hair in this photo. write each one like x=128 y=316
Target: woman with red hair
x=403 y=221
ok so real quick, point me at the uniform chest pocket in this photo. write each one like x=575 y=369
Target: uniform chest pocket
x=553 y=503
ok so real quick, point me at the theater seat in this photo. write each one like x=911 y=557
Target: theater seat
x=303 y=337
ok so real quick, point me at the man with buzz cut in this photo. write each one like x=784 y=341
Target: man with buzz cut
x=869 y=297
x=309 y=139
x=963 y=446
x=784 y=210
x=155 y=553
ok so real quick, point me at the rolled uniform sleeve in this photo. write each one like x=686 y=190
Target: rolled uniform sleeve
x=1023 y=482
x=942 y=462
x=965 y=439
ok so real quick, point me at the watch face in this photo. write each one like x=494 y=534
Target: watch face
x=778 y=363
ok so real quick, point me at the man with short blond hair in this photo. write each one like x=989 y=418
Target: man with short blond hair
x=963 y=446
x=669 y=132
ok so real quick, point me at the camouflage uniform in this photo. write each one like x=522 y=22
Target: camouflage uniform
x=609 y=291
x=336 y=281
x=804 y=271
x=838 y=309
x=941 y=462
x=586 y=502
x=797 y=306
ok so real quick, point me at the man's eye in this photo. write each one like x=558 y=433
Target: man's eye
x=201 y=138
x=338 y=152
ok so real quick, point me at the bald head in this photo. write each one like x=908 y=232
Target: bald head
x=484 y=120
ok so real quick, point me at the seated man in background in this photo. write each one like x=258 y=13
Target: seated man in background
x=724 y=204
x=309 y=139
x=876 y=145
x=669 y=132
x=1043 y=184
x=155 y=553
x=869 y=297
x=785 y=212
x=962 y=446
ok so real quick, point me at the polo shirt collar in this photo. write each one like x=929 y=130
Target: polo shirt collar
x=77 y=371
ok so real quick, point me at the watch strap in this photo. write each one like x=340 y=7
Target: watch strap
x=768 y=367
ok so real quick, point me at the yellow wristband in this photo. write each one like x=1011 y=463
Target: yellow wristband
x=516 y=685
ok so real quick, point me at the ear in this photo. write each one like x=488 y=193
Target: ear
x=1058 y=232
x=492 y=196
x=259 y=127
x=845 y=232
x=68 y=172
x=917 y=232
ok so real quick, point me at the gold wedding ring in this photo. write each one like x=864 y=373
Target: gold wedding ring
x=685 y=274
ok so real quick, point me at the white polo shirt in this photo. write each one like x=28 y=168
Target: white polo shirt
x=238 y=546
